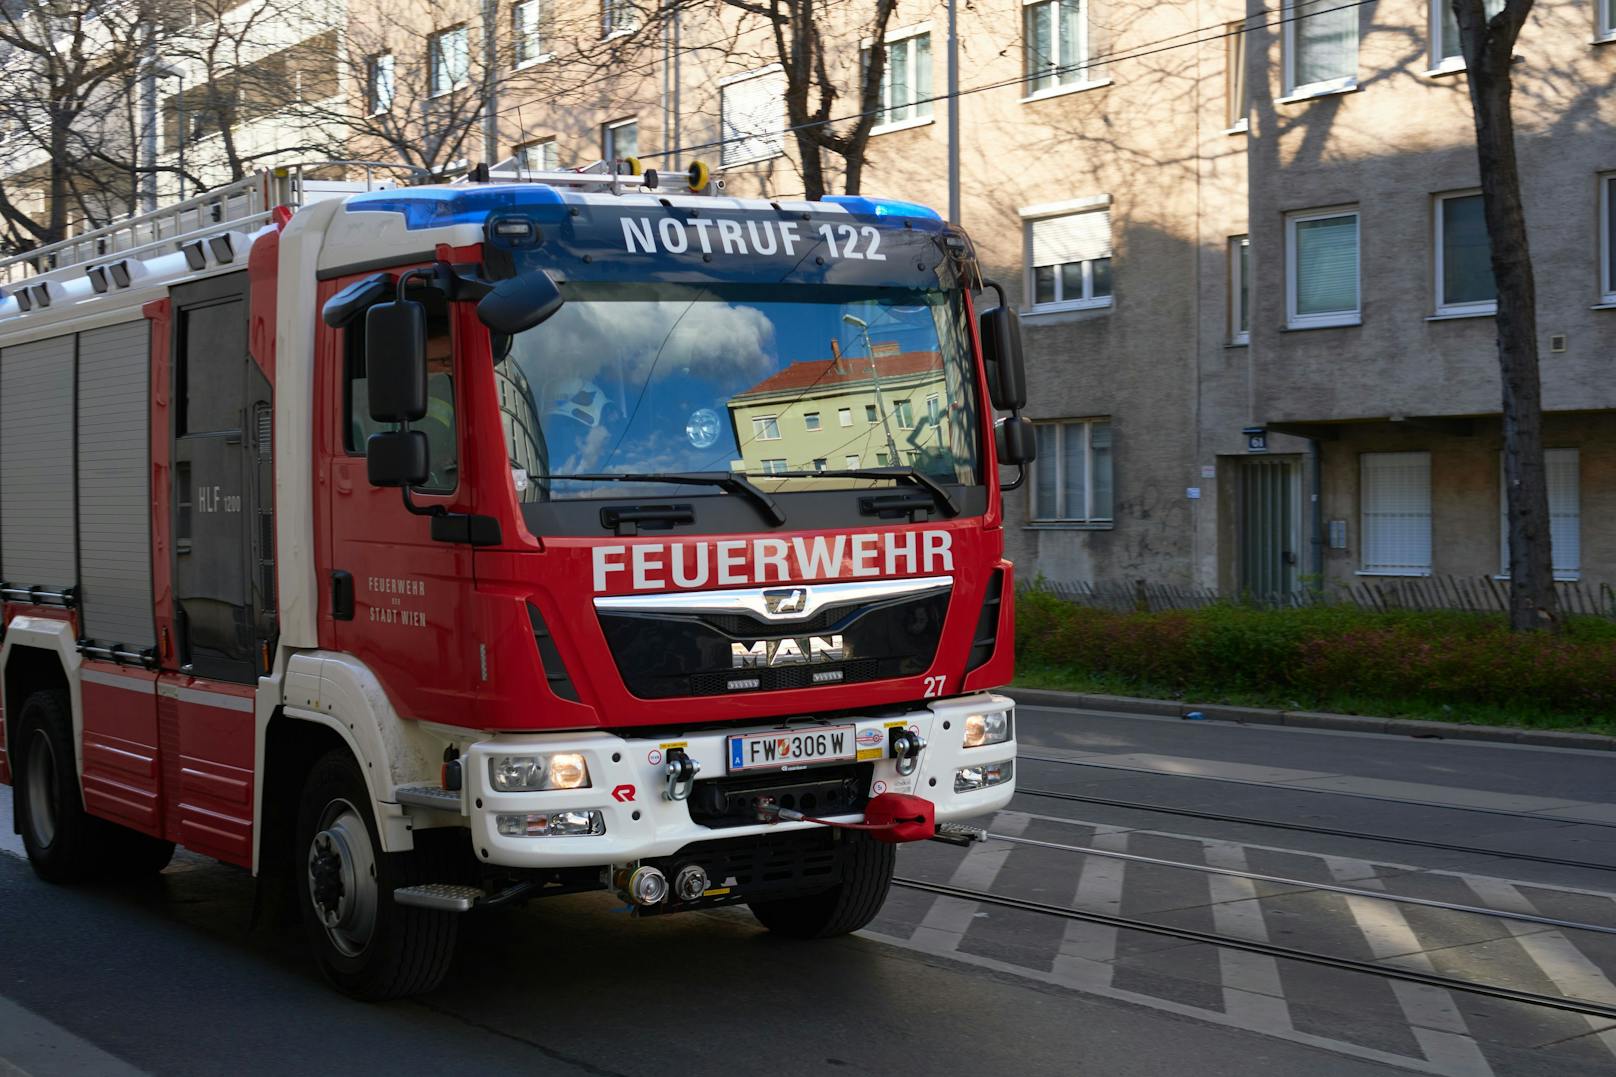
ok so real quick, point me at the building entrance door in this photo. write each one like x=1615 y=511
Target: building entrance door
x=1270 y=525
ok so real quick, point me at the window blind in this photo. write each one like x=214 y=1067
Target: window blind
x=753 y=114
x=1327 y=265
x=1562 y=468
x=1326 y=41
x=1395 y=491
x=1076 y=237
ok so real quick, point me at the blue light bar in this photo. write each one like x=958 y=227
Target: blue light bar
x=883 y=207
x=438 y=207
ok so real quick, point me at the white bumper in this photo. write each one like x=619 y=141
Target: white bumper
x=628 y=783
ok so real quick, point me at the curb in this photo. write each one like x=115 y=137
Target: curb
x=1351 y=723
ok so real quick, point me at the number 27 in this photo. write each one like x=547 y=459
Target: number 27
x=934 y=686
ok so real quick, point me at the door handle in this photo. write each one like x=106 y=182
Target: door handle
x=344 y=485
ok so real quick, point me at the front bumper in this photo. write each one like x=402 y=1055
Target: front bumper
x=628 y=784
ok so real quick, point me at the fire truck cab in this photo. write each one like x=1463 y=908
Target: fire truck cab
x=426 y=549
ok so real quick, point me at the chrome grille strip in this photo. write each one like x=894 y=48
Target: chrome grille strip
x=752 y=600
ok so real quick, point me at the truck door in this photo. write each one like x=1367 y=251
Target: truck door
x=223 y=598
x=399 y=599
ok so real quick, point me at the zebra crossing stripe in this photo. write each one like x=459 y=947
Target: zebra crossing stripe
x=1252 y=990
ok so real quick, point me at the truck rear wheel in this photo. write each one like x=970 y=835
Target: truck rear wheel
x=60 y=837
x=845 y=908
x=367 y=945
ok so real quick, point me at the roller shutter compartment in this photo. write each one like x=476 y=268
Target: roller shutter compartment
x=37 y=546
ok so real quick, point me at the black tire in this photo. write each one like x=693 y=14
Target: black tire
x=373 y=948
x=64 y=843
x=846 y=907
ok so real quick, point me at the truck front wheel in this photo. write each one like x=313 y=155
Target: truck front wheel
x=853 y=903
x=367 y=945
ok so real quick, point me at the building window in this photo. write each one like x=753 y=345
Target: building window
x=870 y=414
x=618 y=17
x=752 y=116
x=1607 y=232
x=844 y=416
x=1562 y=468
x=1445 y=50
x=883 y=460
x=525 y=29
x=379 y=85
x=537 y=156
x=1321 y=46
x=819 y=463
x=1607 y=18
x=448 y=59
x=906 y=79
x=934 y=408
x=1236 y=104
x=619 y=140
x=810 y=421
x=1240 y=290
x=1395 y=488
x=1056 y=45
x=773 y=466
x=851 y=460
x=1464 y=268
x=904 y=412
x=766 y=428
x=1069 y=260
x=1071 y=479
x=1321 y=250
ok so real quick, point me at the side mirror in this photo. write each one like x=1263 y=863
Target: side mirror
x=397 y=458
x=1001 y=351
x=519 y=303
x=1016 y=440
x=395 y=361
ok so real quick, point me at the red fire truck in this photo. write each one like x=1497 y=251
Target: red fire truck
x=433 y=548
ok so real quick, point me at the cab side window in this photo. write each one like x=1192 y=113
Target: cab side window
x=439 y=425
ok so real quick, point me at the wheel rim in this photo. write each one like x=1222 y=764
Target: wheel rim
x=41 y=790
x=342 y=878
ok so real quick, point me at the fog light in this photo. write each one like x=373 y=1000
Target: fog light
x=984 y=776
x=529 y=773
x=551 y=824
x=984 y=729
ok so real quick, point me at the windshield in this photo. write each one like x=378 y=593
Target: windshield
x=758 y=380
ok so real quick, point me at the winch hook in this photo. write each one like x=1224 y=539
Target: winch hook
x=681 y=771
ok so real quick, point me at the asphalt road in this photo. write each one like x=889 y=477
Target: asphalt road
x=170 y=979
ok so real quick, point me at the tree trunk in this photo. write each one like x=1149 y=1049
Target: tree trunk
x=1489 y=47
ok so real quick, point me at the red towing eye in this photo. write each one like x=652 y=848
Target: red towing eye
x=891 y=817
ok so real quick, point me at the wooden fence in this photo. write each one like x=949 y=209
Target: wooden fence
x=1480 y=594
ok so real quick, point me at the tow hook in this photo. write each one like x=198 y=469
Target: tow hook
x=905 y=746
x=681 y=771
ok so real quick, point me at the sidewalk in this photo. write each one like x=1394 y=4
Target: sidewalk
x=1353 y=723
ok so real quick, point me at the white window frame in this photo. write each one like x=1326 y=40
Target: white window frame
x=1440 y=64
x=760 y=427
x=1064 y=515
x=903 y=413
x=1607 y=195
x=1438 y=261
x=906 y=37
x=775 y=465
x=1236 y=92
x=1294 y=320
x=844 y=416
x=1082 y=79
x=872 y=414
x=817 y=424
x=1556 y=550
x=611 y=25
x=519 y=34
x=373 y=82
x=434 y=52
x=1605 y=24
x=1088 y=300
x=851 y=460
x=608 y=137
x=522 y=150
x=731 y=152
x=1389 y=569
x=1239 y=283
x=1339 y=84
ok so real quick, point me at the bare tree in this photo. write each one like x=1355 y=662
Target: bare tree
x=1489 y=48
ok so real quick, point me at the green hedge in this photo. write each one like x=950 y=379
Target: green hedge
x=1332 y=657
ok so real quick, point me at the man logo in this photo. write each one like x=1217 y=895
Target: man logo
x=785 y=600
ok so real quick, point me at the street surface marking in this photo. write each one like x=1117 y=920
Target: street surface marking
x=1087 y=950
x=1560 y=961
x=1433 y=1016
x=1252 y=990
x=35 y=1047
x=950 y=918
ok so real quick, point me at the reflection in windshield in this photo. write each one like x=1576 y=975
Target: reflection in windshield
x=637 y=378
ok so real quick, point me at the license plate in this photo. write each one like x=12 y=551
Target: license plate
x=791 y=748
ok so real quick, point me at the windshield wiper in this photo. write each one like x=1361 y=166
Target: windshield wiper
x=944 y=499
x=729 y=482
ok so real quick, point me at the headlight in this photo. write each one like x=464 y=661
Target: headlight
x=981 y=729
x=555 y=824
x=968 y=778
x=530 y=773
